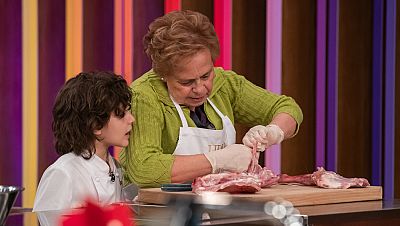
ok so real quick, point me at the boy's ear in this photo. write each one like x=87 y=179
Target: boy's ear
x=97 y=132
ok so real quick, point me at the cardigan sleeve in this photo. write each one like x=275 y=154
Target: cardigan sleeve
x=253 y=105
x=144 y=162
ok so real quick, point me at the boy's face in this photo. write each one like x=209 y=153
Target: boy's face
x=117 y=131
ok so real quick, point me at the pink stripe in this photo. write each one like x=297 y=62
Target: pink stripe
x=274 y=69
x=171 y=5
x=223 y=27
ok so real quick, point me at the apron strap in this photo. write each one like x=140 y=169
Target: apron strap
x=180 y=112
x=216 y=109
x=231 y=136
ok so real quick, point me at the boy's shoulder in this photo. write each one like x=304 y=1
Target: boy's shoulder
x=65 y=161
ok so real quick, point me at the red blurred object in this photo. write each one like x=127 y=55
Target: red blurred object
x=94 y=214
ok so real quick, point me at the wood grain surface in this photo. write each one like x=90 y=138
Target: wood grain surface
x=298 y=195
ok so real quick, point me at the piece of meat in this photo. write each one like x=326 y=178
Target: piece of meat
x=254 y=160
x=251 y=181
x=330 y=179
x=324 y=179
x=267 y=177
x=305 y=179
x=227 y=182
x=258 y=177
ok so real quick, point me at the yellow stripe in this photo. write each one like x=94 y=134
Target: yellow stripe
x=74 y=38
x=29 y=104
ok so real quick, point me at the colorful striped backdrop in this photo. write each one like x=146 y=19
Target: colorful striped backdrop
x=45 y=42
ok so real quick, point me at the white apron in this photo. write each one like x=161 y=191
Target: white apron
x=193 y=140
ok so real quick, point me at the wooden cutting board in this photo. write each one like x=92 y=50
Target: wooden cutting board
x=297 y=194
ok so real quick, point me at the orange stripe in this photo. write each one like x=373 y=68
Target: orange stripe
x=123 y=48
x=118 y=48
x=118 y=36
x=74 y=38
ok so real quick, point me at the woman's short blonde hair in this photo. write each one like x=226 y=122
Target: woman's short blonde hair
x=177 y=35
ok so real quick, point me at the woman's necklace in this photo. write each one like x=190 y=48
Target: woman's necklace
x=110 y=172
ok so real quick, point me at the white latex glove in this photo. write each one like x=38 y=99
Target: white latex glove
x=263 y=136
x=233 y=158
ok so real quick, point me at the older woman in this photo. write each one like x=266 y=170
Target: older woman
x=185 y=108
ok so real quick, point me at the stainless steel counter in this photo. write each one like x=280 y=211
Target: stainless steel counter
x=383 y=212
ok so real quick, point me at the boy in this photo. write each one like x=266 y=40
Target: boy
x=90 y=114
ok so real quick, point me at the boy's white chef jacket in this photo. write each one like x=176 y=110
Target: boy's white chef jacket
x=69 y=181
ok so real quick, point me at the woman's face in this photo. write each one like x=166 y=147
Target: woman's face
x=191 y=83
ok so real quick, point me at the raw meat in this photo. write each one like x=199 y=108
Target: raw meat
x=227 y=182
x=254 y=166
x=305 y=179
x=258 y=177
x=329 y=179
x=324 y=179
x=251 y=181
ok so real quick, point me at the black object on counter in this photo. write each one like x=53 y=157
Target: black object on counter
x=176 y=187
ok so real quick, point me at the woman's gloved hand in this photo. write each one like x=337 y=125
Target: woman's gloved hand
x=233 y=158
x=263 y=136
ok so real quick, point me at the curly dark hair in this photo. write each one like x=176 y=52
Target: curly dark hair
x=177 y=35
x=84 y=104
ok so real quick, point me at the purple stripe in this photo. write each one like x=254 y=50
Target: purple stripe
x=377 y=79
x=11 y=96
x=332 y=106
x=144 y=12
x=388 y=188
x=98 y=35
x=320 y=83
x=11 y=92
x=51 y=74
